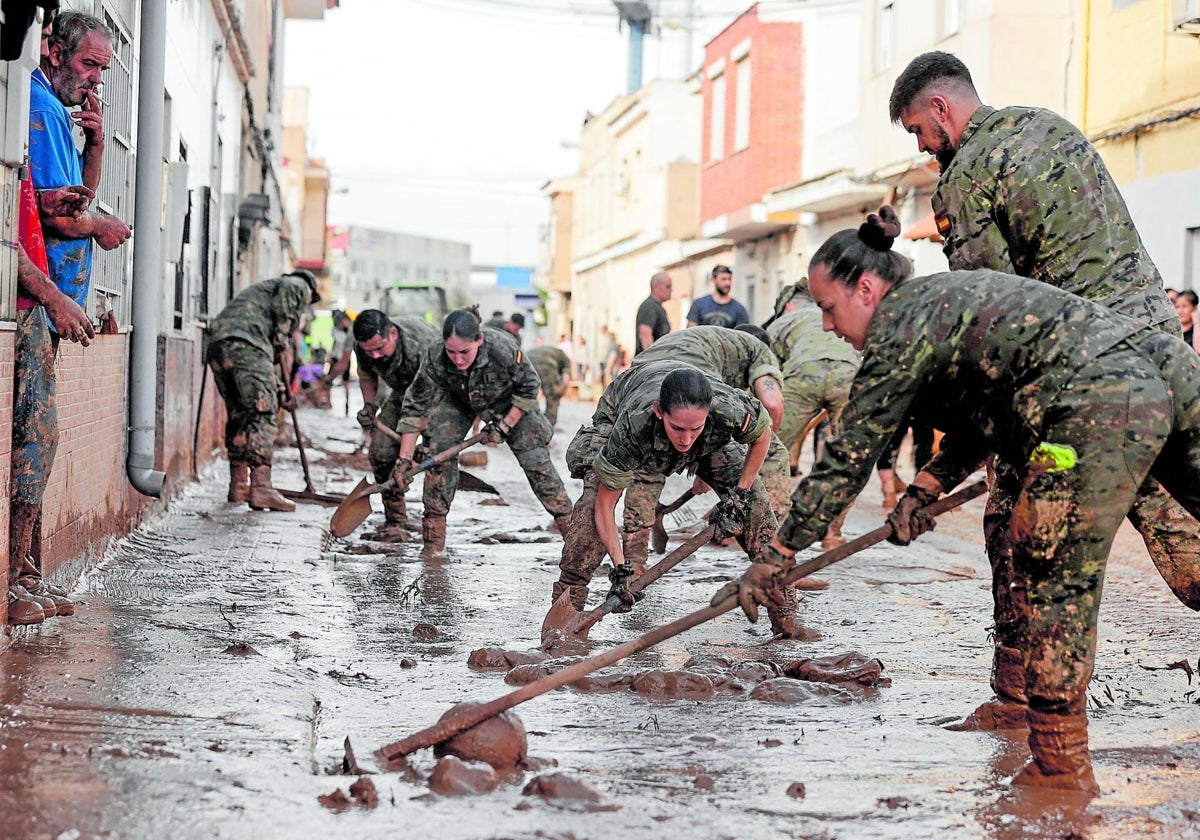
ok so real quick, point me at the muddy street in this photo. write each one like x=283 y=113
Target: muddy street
x=220 y=658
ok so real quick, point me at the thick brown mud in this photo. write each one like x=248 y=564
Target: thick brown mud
x=131 y=720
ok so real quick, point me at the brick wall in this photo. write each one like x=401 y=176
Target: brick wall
x=773 y=157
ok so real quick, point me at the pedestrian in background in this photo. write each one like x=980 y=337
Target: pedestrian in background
x=718 y=309
x=652 y=322
x=1187 y=306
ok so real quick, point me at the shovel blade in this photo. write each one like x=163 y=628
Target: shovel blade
x=562 y=614
x=353 y=511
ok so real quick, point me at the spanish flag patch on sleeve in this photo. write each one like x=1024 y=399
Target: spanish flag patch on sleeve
x=748 y=422
x=943 y=223
x=519 y=357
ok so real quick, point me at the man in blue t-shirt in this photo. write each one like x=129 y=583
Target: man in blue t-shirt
x=77 y=53
x=718 y=309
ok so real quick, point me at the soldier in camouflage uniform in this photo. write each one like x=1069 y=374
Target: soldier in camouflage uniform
x=554 y=370
x=656 y=419
x=1023 y=191
x=388 y=351
x=475 y=372
x=1084 y=402
x=248 y=342
x=740 y=360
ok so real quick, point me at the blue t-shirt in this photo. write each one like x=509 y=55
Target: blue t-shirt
x=708 y=313
x=54 y=161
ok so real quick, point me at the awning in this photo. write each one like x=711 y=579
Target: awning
x=924 y=229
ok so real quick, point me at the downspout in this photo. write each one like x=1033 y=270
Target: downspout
x=147 y=250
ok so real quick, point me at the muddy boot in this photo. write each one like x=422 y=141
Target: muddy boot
x=833 y=537
x=887 y=481
x=239 y=481
x=637 y=550
x=433 y=531
x=578 y=596
x=1060 y=761
x=30 y=578
x=22 y=608
x=395 y=521
x=1009 y=709
x=262 y=495
x=782 y=613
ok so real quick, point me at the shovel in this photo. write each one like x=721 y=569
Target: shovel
x=564 y=617
x=658 y=534
x=393 y=754
x=466 y=481
x=356 y=507
x=309 y=493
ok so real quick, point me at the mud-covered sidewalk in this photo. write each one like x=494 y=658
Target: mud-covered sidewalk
x=219 y=658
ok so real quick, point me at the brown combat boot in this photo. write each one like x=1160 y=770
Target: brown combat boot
x=578 y=595
x=1009 y=709
x=433 y=531
x=22 y=608
x=1060 y=761
x=782 y=612
x=262 y=495
x=833 y=537
x=395 y=521
x=239 y=481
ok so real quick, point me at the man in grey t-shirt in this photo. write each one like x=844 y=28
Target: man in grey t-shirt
x=652 y=321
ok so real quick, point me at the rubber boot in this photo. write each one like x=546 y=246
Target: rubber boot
x=1009 y=709
x=833 y=537
x=262 y=495
x=1059 y=743
x=395 y=521
x=578 y=596
x=637 y=550
x=433 y=530
x=22 y=609
x=239 y=481
x=887 y=481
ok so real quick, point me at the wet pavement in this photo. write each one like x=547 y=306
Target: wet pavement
x=219 y=658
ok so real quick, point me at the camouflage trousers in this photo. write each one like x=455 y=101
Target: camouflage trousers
x=35 y=413
x=247 y=381
x=1049 y=533
x=583 y=552
x=553 y=393
x=449 y=423
x=808 y=389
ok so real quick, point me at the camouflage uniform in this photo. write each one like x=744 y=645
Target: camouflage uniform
x=414 y=335
x=443 y=402
x=1027 y=193
x=739 y=360
x=627 y=442
x=1029 y=365
x=243 y=341
x=554 y=370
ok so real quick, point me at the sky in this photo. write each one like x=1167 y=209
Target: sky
x=444 y=118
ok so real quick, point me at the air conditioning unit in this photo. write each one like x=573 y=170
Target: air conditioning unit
x=1185 y=16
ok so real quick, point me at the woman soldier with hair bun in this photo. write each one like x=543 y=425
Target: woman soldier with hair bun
x=475 y=371
x=1087 y=403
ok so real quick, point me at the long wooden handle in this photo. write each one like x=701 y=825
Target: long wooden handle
x=585 y=621
x=662 y=510
x=447 y=729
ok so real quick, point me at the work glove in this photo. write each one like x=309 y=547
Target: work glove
x=495 y=432
x=403 y=473
x=761 y=584
x=907 y=519
x=731 y=513
x=619 y=577
x=366 y=415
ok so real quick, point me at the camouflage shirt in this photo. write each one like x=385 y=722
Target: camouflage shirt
x=263 y=315
x=736 y=358
x=1028 y=194
x=798 y=337
x=501 y=377
x=551 y=364
x=993 y=349
x=414 y=335
x=626 y=437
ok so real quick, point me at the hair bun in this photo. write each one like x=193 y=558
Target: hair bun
x=880 y=229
